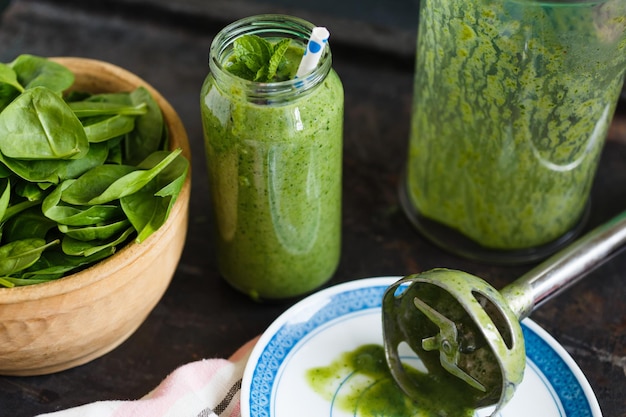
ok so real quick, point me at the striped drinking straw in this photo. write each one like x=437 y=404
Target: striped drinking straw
x=314 y=49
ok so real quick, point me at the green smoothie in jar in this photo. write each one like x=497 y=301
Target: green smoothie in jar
x=512 y=103
x=274 y=155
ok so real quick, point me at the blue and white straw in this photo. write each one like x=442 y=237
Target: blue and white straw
x=314 y=50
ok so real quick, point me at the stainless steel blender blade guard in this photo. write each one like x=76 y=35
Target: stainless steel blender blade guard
x=461 y=329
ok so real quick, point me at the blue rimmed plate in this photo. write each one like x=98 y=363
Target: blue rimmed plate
x=315 y=331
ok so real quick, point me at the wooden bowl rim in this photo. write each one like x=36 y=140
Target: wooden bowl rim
x=132 y=251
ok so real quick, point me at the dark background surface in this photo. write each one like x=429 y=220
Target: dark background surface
x=166 y=43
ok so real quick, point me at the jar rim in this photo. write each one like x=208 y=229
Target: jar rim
x=294 y=27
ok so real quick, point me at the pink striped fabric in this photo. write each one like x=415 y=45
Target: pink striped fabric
x=206 y=388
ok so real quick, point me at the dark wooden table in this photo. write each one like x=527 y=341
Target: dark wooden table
x=200 y=316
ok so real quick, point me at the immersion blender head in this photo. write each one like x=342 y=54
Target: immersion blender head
x=467 y=334
x=457 y=324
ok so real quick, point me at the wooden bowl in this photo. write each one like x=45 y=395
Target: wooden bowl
x=57 y=325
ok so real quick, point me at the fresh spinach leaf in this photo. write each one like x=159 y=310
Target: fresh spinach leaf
x=122 y=98
x=30 y=191
x=5 y=172
x=54 y=209
x=100 y=130
x=52 y=171
x=34 y=71
x=55 y=264
x=95 y=182
x=95 y=232
x=8 y=76
x=77 y=96
x=148 y=136
x=86 y=108
x=76 y=247
x=83 y=216
x=146 y=211
x=149 y=208
x=115 y=155
x=73 y=168
x=20 y=254
x=31 y=223
x=17 y=208
x=11 y=282
x=6 y=282
x=40 y=125
x=35 y=171
x=5 y=196
x=170 y=181
x=7 y=95
x=106 y=183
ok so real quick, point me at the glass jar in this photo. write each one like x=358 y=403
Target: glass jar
x=512 y=103
x=274 y=155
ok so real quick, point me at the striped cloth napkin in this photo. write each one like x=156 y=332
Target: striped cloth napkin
x=206 y=388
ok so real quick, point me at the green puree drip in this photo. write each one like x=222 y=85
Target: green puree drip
x=512 y=103
x=360 y=383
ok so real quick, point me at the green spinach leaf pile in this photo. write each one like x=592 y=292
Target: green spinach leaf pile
x=80 y=174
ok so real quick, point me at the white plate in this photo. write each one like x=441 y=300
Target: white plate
x=316 y=330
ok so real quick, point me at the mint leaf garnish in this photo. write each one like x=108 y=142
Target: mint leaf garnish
x=277 y=56
x=256 y=59
x=253 y=51
x=240 y=69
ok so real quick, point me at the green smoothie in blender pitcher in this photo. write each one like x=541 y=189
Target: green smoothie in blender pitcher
x=512 y=103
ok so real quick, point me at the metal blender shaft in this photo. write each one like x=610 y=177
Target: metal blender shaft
x=566 y=267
